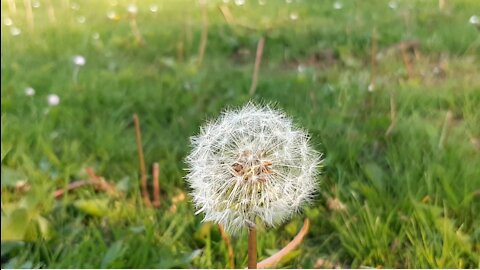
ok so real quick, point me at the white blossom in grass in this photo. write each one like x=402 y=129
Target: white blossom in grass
x=8 y=21
x=337 y=5
x=132 y=9
x=79 y=60
x=239 y=2
x=249 y=164
x=29 y=91
x=15 y=31
x=53 y=100
x=153 y=8
x=474 y=20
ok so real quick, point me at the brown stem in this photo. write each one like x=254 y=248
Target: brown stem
x=373 y=60
x=143 y=170
x=71 y=186
x=252 y=248
x=258 y=60
x=204 y=37
x=29 y=13
x=407 y=61
x=156 y=185
x=136 y=31
x=393 y=115
x=275 y=258
x=231 y=258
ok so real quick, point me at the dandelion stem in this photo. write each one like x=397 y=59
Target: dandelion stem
x=156 y=185
x=252 y=248
x=231 y=259
x=204 y=37
x=141 y=160
x=256 y=69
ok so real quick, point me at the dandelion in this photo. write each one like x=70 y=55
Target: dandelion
x=474 y=20
x=81 y=19
x=337 y=5
x=153 y=8
x=15 y=31
x=239 y=2
x=112 y=15
x=293 y=16
x=251 y=164
x=96 y=36
x=75 y=6
x=53 y=100
x=29 y=91
x=393 y=4
x=132 y=9
x=78 y=61
x=36 y=4
x=8 y=21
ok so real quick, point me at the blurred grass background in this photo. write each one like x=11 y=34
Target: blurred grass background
x=409 y=197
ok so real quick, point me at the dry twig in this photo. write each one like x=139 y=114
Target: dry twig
x=141 y=160
x=231 y=258
x=156 y=185
x=274 y=259
x=256 y=69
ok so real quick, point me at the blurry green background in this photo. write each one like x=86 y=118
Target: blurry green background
x=389 y=91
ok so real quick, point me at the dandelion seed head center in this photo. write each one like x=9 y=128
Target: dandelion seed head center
x=252 y=168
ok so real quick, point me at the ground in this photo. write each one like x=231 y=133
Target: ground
x=388 y=90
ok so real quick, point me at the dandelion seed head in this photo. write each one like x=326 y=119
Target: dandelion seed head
x=15 y=31
x=29 y=91
x=337 y=5
x=53 y=100
x=79 y=60
x=251 y=163
x=132 y=9
x=8 y=21
x=474 y=20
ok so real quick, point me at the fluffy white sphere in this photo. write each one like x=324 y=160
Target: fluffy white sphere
x=251 y=163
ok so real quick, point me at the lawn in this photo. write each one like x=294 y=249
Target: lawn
x=388 y=90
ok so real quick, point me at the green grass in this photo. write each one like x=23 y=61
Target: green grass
x=411 y=198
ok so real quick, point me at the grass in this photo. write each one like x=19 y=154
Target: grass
x=411 y=198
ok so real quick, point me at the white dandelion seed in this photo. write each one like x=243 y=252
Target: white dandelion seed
x=153 y=8
x=393 y=4
x=79 y=60
x=239 y=2
x=8 y=21
x=15 y=31
x=29 y=91
x=53 y=100
x=294 y=16
x=132 y=9
x=474 y=20
x=337 y=5
x=251 y=163
x=81 y=19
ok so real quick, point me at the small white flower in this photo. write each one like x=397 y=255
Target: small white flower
x=132 y=9
x=29 y=91
x=15 y=31
x=153 y=8
x=96 y=36
x=81 y=19
x=371 y=87
x=474 y=20
x=53 y=100
x=337 y=5
x=393 y=4
x=8 y=21
x=36 y=4
x=293 y=16
x=251 y=163
x=239 y=2
x=79 y=60
x=75 y=6
x=112 y=15
x=262 y=2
